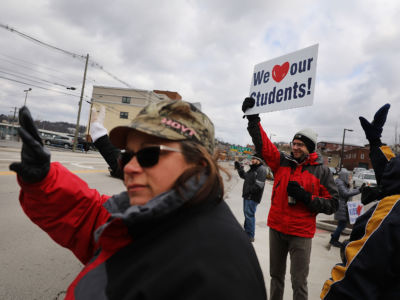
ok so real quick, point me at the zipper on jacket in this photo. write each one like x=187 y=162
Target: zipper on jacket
x=273 y=195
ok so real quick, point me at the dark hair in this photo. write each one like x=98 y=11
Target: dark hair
x=203 y=162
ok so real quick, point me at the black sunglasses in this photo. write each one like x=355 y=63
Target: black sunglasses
x=146 y=157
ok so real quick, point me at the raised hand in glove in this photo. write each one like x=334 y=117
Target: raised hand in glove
x=295 y=190
x=249 y=103
x=35 y=158
x=373 y=130
x=237 y=165
x=97 y=129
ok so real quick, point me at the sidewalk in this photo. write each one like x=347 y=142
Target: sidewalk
x=10 y=144
x=328 y=223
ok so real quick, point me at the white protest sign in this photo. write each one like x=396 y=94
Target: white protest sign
x=355 y=209
x=284 y=82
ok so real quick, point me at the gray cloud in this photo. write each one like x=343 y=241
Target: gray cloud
x=206 y=50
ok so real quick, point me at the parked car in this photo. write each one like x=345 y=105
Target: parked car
x=82 y=144
x=366 y=177
x=59 y=141
x=358 y=170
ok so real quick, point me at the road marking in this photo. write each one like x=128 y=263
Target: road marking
x=79 y=165
x=7 y=173
x=90 y=171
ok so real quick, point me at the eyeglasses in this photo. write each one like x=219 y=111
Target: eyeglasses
x=293 y=144
x=146 y=157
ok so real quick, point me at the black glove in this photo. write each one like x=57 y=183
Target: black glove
x=373 y=130
x=249 y=103
x=35 y=159
x=237 y=165
x=361 y=188
x=295 y=190
x=370 y=194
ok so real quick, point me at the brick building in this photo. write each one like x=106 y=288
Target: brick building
x=325 y=146
x=358 y=157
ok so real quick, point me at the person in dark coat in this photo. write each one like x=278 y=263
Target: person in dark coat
x=253 y=188
x=168 y=235
x=342 y=215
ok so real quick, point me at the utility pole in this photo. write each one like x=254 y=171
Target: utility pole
x=15 y=112
x=341 y=155
x=88 y=137
x=14 y=122
x=80 y=105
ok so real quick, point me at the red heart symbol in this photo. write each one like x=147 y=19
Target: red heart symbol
x=359 y=208
x=279 y=72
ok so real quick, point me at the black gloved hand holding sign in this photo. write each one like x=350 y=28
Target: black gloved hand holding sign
x=249 y=103
x=35 y=158
x=295 y=190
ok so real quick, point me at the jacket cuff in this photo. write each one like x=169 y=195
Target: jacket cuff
x=97 y=130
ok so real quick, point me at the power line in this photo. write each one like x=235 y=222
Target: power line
x=32 y=39
x=111 y=75
x=27 y=62
x=74 y=55
x=39 y=87
x=16 y=74
x=23 y=66
x=30 y=63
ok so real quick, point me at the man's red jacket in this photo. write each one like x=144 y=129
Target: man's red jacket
x=311 y=174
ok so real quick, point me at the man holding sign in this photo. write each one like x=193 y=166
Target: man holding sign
x=303 y=186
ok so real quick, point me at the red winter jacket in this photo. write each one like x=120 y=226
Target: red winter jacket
x=65 y=204
x=161 y=250
x=311 y=174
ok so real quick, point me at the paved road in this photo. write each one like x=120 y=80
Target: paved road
x=34 y=267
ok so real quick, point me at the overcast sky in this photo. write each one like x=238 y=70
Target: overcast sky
x=206 y=50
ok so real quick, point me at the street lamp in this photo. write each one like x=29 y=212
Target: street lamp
x=26 y=94
x=341 y=155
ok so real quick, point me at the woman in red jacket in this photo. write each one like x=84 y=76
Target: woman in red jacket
x=170 y=235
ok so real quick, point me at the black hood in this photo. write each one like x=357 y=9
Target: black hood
x=390 y=182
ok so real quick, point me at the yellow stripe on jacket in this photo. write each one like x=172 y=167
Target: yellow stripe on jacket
x=387 y=152
x=353 y=248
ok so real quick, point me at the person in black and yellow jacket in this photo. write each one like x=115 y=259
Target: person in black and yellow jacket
x=371 y=260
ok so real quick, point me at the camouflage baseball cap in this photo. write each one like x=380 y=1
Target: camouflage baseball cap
x=171 y=120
